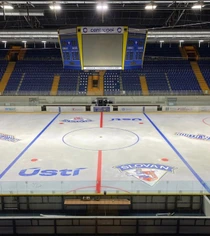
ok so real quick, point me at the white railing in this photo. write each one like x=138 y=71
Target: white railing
x=109 y=93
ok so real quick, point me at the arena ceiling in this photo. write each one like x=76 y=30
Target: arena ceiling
x=178 y=15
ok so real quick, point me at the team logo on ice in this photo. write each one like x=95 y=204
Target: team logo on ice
x=77 y=120
x=148 y=173
x=194 y=136
x=9 y=138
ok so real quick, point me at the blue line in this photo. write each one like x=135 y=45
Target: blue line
x=180 y=156
x=26 y=148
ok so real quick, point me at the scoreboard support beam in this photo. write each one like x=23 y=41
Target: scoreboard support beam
x=79 y=38
x=125 y=39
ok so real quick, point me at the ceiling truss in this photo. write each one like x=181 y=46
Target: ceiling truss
x=168 y=14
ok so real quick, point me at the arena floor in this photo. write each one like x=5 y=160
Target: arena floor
x=154 y=153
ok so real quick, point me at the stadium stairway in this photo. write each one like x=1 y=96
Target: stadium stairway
x=199 y=76
x=168 y=82
x=6 y=76
x=101 y=80
x=96 y=84
x=21 y=54
x=183 y=53
x=55 y=84
x=20 y=83
x=144 y=87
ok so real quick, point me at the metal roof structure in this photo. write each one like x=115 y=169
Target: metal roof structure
x=171 y=21
x=168 y=14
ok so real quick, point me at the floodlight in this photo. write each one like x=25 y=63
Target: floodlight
x=55 y=7
x=8 y=7
x=102 y=7
x=150 y=6
x=197 y=6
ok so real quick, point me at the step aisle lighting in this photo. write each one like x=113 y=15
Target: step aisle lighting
x=44 y=42
x=24 y=42
x=5 y=43
x=199 y=42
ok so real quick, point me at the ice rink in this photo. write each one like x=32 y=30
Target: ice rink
x=120 y=153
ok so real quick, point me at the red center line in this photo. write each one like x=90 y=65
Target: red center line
x=101 y=120
x=99 y=168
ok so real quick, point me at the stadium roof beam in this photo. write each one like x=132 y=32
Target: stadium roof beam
x=153 y=36
x=22 y=13
x=173 y=19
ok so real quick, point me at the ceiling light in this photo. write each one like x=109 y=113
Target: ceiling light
x=44 y=41
x=102 y=7
x=24 y=41
x=55 y=7
x=8 y=7
x=3 y=41
x=197 y=6
x=150 y=6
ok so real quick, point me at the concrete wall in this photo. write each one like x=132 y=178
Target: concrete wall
x=117 y=225
x=206 y=205
x=77 y=100
x=155 y=203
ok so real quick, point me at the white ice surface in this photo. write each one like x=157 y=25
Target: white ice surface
x=70 y=146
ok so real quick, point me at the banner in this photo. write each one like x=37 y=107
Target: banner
x=137 y=108
x=180 y=108
x=130 y=108
x=73 y=109
x=20 y=108
x=103 y=30
x=101 y=108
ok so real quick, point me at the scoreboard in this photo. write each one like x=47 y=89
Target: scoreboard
x=136 y=46
x=69 y=49
x=102 y=48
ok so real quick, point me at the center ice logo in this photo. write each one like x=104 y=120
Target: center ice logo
x=76 y=120
x=148 y=173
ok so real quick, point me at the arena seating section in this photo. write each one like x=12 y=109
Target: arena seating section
x=165 y=70
x=112 y=82
x=167 y=50
x=204 y=50
x=205 y=69
x=83 y=82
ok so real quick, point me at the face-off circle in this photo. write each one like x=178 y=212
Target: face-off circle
x=105 y=139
